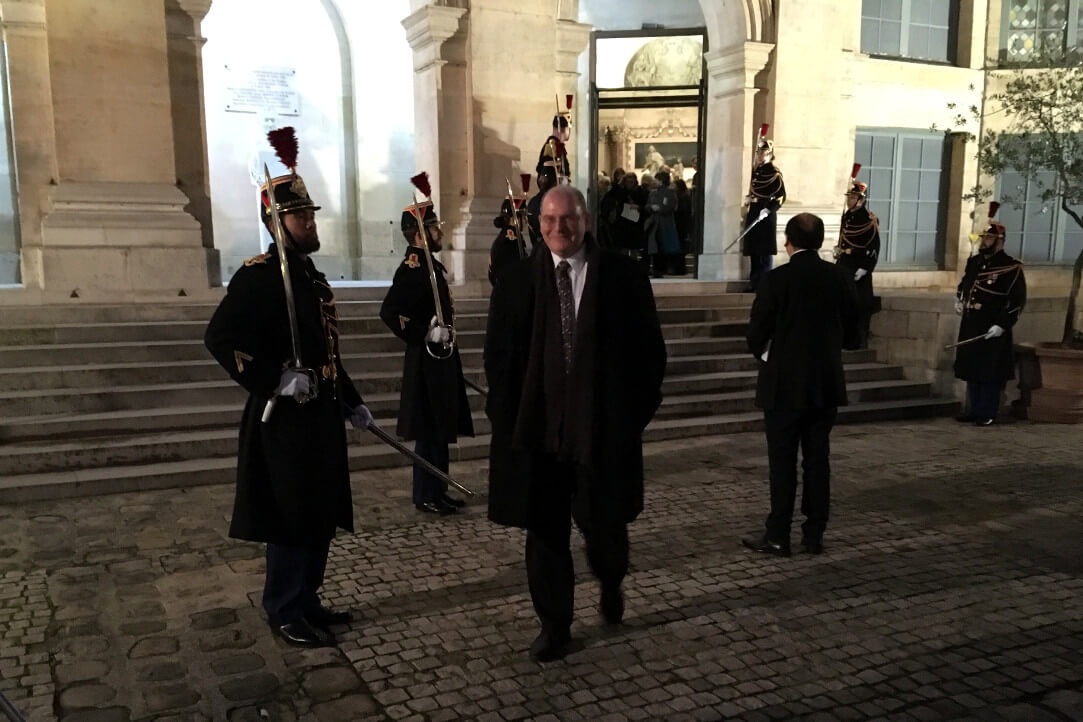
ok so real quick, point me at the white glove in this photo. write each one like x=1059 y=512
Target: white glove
x=994 y=332
x=959 y=307
x=295 y=384
x=438 y=334
x=361 y=418
x=860 y=273
x=766 y=352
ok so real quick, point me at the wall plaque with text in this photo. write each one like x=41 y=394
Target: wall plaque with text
x=262 y=89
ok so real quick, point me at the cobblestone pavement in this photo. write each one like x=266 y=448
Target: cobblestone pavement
x=952 y=587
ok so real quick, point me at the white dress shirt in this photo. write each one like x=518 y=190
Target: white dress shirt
x=577 y=272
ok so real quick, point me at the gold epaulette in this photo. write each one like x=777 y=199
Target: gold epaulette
x=256 y=260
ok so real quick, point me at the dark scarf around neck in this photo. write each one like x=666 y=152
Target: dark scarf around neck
x=556 y=411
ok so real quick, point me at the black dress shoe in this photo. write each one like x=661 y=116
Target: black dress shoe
x=302 y=634
x=435 y=507
x=765 y=546
x=324 y=617
x=812 y=546
x=452 y=501
x=966 y=418
x=550 y=646
x=984 y=422
x=612 y=605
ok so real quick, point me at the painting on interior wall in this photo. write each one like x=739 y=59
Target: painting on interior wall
x=653 y=156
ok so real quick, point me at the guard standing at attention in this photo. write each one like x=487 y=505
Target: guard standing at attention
x=293 y=476
x=766 y=192
x=858 y=250
x=433 y=409
x=990 y=298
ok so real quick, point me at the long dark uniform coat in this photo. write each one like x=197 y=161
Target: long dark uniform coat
x=859 y=247
x=508 y=247
x=293 y=481
x=626 y=376
x=432 y=401
x=993 y=292
x=768 y=191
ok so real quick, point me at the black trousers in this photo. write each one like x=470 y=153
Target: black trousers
x=549 y=570
x=426 y=486
x=786 y=431
x=984 y=398
x=294 y=574
x=759 y=265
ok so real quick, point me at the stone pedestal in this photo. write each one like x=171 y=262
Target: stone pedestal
x=101 y=214
x=107 y=242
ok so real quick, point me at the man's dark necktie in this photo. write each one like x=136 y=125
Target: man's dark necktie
x=567 y=312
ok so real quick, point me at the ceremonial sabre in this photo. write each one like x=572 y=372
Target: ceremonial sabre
x=399 y=447
x=287 y=285
x=763 y=214
x=474 y=386
x=964 y=343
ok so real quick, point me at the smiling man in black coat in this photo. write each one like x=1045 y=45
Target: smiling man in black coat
x=804 y=314
x=574 y=358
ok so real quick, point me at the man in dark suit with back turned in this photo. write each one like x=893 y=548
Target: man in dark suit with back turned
x=574 y=358
x=804 y=314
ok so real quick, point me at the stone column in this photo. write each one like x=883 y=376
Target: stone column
x=441 y=134
x=737 y=80
x=33 y=134
x=184 y=43
x=115 y=226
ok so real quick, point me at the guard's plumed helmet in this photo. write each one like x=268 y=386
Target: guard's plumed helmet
x=290 y=193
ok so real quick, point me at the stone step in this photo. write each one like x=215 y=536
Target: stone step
x=24 y=487
x=351 y=301
x=85 y=354
x=145 y=449
x=67 y=427
x=684 y=375
x=688 y=405
x=359 y=367
x=138 y=331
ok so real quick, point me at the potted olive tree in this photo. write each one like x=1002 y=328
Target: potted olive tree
x=1032 y=125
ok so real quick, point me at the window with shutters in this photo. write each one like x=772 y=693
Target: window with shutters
x=905 y=170
x=913 y=29
x=1038 y=232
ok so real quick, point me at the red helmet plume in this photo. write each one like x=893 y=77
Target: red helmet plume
x=284 y=141
x=421 y=182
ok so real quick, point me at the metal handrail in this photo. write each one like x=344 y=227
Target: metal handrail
x=9 y=711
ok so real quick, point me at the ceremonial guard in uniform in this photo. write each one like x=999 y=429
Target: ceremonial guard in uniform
x=553 y=167
x=990 y=298
x=510 y=243
x=293 y=480
x=766 y=192
x=433 y=410
x=858 y=249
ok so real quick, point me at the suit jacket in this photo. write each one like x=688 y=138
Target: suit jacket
x=293 y=476
x=807 y=311
x=626 y=381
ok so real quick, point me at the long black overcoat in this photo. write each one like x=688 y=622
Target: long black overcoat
x=768 y=191
x=993 y=292
x=432 y=399
x=630 y=359
x=859 y=247
x=807 y=310
x=293 y=479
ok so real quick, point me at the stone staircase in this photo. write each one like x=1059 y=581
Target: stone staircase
x=101 y=399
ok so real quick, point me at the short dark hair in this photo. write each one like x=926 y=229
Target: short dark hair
x=805 y=230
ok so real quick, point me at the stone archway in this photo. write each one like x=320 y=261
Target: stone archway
x=741 y=37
